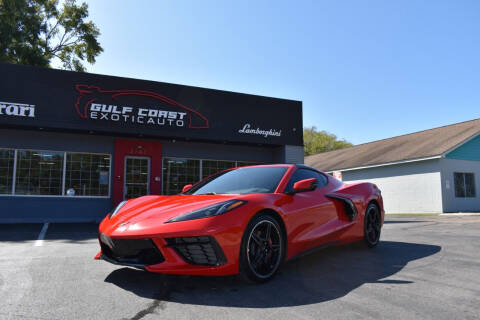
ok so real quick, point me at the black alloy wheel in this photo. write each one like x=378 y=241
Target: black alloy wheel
x=262 y=249
x=373 y=225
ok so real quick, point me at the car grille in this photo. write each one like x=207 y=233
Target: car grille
x=130 y=251
x=198 y=250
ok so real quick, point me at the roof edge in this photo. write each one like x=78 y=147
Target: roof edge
x=460 y=144
x=408 y=134
x=388 y=163
x=415 y=132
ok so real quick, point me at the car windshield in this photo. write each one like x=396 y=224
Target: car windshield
x=241 y=181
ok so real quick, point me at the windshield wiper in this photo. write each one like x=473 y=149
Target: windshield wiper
x=207 y=194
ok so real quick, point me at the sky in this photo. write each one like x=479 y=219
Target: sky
x=364 y=70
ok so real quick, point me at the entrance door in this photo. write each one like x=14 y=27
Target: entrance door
x=137 y=177
x=137 y=169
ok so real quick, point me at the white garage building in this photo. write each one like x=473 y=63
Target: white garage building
x=431 y=171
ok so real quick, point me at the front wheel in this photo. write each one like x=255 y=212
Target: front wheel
x=262 y=249
x=372 y=225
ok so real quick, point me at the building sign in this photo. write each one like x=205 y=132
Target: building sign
x=157 y=110
x=17 y=109
x=81 y=102
x=247 y=129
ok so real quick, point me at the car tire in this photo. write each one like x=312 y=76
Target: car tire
x=372 y=225
x=262 y=250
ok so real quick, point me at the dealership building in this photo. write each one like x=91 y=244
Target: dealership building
x=431 y=171
x=72 y=145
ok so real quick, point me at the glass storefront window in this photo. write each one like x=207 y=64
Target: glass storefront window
x=178 y=172
x=210 y=167
x=247 y=163
x=87 y=174
x=137 y=177
x=6 y=170
x=52 y=173
x=39 y=173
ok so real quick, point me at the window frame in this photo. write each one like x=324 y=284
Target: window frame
x=200 y=175
x=16 y=170
x=464 y=185
x=63 y=195
x=184 y=158
x=149 y=175
x=109 y=195
x=202 y=166
x=14 y=167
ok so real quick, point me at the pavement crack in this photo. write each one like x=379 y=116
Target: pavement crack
x=158 y=303
x=149 y=310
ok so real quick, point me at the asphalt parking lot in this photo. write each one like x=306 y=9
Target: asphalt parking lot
x=424 y=268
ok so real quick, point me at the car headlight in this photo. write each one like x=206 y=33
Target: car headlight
x=210 y=211
x=114 y=212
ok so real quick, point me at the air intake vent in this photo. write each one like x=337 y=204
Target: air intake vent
x=348 y=205
x=134 y=252
x=198 y=250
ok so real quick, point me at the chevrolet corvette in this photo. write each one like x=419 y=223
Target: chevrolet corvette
x=245 y=221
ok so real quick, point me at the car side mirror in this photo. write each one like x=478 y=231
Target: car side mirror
x=187 y=187
x=305 y=185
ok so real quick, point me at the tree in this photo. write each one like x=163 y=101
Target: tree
x=321 y=141
x=35 y=32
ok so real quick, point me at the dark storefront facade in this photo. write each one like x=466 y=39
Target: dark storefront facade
x=72 y=145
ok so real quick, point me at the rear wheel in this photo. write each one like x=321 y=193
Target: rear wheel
x=372 y=226
x=262 y=249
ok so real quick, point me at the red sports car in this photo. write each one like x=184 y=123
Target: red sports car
x=246 y=220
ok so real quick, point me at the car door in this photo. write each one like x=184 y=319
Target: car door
x=310 y=214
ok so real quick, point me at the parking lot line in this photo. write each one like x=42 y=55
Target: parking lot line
x=41 y=235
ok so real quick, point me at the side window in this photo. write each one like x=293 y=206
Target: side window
x=302 y=174
x=464 y=184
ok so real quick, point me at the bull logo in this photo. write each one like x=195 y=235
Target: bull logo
x=111 y=99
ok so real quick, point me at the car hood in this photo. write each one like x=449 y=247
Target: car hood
x=154 y=210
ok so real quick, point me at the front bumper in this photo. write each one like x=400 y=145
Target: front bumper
x=130 y=252
x=140 y=253
x=199 y=250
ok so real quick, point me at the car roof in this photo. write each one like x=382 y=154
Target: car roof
x=300 y=166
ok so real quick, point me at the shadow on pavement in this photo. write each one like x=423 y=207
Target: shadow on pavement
x=20 y=232
x=323 y=276
x=72 y=232
x=69 y=232
x=404 y=221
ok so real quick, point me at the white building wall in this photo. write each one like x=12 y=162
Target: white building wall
x=451 y=203
x=414 y=187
